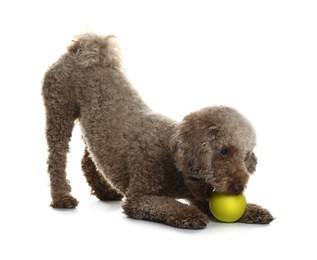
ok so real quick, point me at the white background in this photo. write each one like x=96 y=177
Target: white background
x=257 y=56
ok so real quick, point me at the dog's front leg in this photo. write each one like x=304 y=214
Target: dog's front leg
x=201 y=205
x=165 y=210
x=255 y=214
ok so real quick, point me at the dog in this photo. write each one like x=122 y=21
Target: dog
x=134 y=154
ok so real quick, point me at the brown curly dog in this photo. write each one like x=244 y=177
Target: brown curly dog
x=133 y=152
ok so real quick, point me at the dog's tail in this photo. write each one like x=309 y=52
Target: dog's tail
x=91 y=49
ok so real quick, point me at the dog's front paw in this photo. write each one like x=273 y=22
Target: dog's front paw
x=65 y=201
x=255 y=214
x=189 y=218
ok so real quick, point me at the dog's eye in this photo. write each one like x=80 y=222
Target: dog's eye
x=224 y=151
x=195 y=178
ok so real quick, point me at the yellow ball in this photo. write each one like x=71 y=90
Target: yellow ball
x=227 y=207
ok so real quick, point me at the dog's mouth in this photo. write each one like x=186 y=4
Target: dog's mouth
x=202 y=189
x=199 y=188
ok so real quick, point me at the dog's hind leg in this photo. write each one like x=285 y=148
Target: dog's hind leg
x=99 y=185
x=165 y=210
x=58 y=133
x=61 y=113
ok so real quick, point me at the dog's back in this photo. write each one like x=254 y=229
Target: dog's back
x=116 y=124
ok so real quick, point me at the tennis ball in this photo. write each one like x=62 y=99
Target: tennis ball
x=227 y=207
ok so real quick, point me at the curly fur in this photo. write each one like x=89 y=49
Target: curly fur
x=133 y=152
x=92 y=50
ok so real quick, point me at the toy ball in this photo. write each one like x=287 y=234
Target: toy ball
x=227 y=207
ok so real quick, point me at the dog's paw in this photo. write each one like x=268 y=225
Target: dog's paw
x=189 y=218
x=66 y=201
x=255 y=214
x=105 y=195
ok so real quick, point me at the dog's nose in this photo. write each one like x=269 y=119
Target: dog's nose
x=237 y=188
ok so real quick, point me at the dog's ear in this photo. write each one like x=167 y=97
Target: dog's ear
x=177 y=148
x=251 y=162
x=174 y=142
x=190 y=145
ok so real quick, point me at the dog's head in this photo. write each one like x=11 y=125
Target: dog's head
x=213 y=148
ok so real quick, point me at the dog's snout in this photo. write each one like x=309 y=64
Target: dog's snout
x=237 y=188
